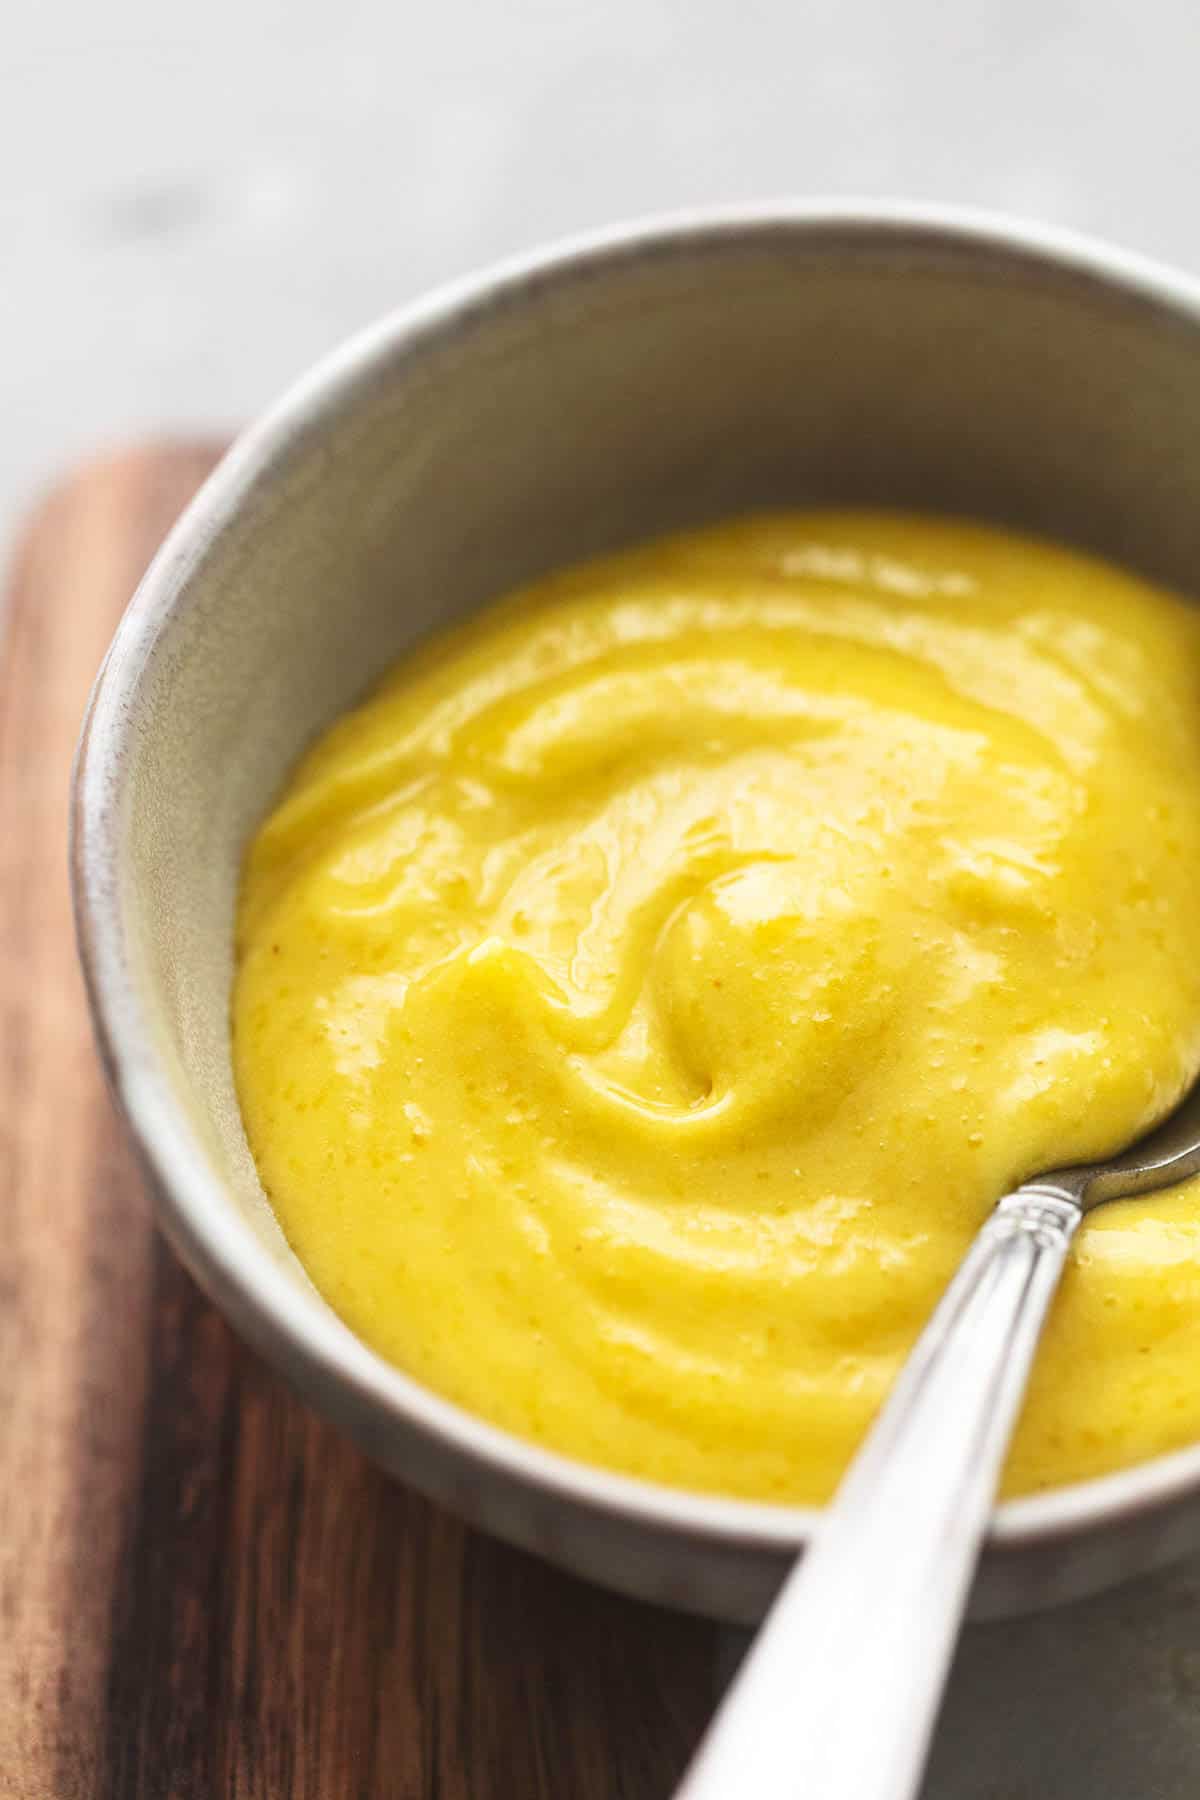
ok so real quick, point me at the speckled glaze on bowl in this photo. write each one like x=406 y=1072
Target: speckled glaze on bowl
x=622 y=385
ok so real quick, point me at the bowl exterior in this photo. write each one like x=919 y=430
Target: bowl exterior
x=630 y=383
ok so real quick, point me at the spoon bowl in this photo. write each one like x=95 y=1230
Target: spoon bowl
x=1162 y=1158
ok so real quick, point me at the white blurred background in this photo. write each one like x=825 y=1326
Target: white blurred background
x=195 y=201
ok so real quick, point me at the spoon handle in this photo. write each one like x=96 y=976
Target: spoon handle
x=838 y=1695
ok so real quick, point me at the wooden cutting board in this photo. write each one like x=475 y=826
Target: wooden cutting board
x=205 y=1591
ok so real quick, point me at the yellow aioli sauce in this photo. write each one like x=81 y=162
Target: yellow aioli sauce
x=644 y=996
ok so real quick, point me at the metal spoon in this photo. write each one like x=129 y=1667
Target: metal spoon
x=837 y=1697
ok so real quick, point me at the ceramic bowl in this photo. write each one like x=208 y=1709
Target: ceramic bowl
x=645 y=379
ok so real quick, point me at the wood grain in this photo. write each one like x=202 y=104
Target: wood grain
x=203 y=1590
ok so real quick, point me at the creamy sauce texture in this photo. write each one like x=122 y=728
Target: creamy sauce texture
x=643 y=997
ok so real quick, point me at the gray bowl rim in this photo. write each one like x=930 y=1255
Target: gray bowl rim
x=289 y=1326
